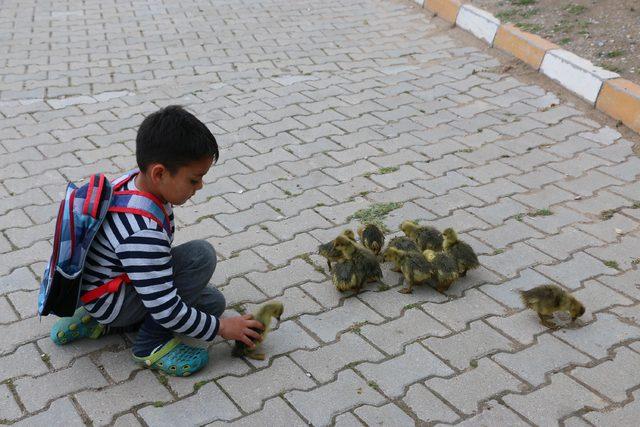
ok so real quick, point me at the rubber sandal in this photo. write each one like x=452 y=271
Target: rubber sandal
x=80 y=325
x=176 y=359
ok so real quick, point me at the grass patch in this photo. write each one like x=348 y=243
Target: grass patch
x=374 y=385
x=356 y=327
x=498 y=251
x=162 y=379
x=614 y=53
x=383 y=287
x=611 y=264
x=609 y=213
x=410 y=306
x=375 y=214
x=575 y=9
x=541 y=212
x=507 y=14
x=532 y=28
x=529 y=13
x=199 y=384
x=158 y=404
x=522 y=2
x=612 y=68
x=287 y=192
x=386 y=170
x=565 y=41
x=239 y=307
x=45 y=357
x=473 y=363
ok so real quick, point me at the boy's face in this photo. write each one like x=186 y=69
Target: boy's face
x=179 y=187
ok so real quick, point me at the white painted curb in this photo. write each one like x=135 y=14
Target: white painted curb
x=478 y=22
x=575 y=73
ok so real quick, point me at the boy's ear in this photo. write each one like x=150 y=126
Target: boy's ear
x=156 y=172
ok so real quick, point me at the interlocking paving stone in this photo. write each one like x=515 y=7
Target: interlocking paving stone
x=573 y=272
x=627 y=415
x=391 y=336
x=392 y=375
x=494 y=413
x=554 y=401
x=60 y=412
x=249 y=391
x=458 y=350
x=328 y=324
x=319 y=405
x=596 y=338
x=208 y=404
x=466 y=390
x=9 y=408
x=427 y=406
x=549 y=353
x=387 y=415
x=457 y=313
x=324 y=362
x=36 y=392
x=275 y=412
x=613 y=378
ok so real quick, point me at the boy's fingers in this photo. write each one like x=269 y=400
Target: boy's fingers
x=255 y=324
x=251 y=333
x=245 y=339
x=247 y=316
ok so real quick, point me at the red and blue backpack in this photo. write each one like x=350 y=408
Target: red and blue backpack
x=80 y=216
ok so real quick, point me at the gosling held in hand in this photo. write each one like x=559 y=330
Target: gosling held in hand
x=264 y=315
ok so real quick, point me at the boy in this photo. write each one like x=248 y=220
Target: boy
x=160 y=289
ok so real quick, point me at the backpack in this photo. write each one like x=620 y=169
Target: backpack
x=80 y=216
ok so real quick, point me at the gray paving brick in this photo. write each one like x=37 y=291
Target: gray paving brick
x=511 y=231
x=612 y=378
x=459 y=349
x=552 y=224
x=553 y=402
x=624 y=283
x=244 y=262
x=328 y=324
x=319 y=405
x=275 y=281
x=551 y=355
x=573 y=272
x=494 y=413
x=24 y=361
x=562 y=245
x=457 y=313
x=392 y=336
x=625 y=415
x=323 y=363
x=174 y=413
x=522 y=326
x=596 y=338
x=518 y=257
x=466 y=390
x=427 y=406
x=392 y=376
x=61 y=410
x=249 y=391
x=9 y=408
x=275 y=410
x=388 y=414
x=36 y=392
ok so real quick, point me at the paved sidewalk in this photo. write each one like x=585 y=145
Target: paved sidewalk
x=322 y=109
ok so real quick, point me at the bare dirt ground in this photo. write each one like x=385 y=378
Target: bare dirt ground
x=607 y=32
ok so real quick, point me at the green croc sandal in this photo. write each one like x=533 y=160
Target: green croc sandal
x=176 y=359
x=80 y=325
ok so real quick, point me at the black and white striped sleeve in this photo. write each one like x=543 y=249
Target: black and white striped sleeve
x=146 y=258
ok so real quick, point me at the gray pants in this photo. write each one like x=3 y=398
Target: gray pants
x=193 y=265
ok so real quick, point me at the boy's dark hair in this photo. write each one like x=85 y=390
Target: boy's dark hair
x=173 y=137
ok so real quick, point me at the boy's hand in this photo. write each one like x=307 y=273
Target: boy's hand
x=239 y=328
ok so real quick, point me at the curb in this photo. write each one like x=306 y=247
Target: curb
x=606 y=91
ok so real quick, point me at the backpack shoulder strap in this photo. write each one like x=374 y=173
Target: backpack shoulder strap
x=139 y=203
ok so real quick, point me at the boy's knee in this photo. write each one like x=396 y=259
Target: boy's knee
x=204 y=254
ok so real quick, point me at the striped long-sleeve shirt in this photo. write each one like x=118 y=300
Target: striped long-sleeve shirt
x=138 y=246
